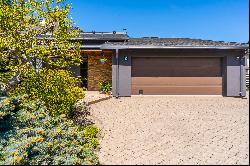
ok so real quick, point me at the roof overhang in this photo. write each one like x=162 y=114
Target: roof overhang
x=90 y=46
x=120 y=47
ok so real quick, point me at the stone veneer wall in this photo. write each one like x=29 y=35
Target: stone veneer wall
x=96 y=70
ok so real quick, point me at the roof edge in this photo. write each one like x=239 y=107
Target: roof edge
x=113 y=47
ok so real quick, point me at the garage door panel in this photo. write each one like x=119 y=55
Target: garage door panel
x=177 y=76
x=177 y=81
x=181 y=90
x=176 y=67
x=170 y=72
x=175 y=64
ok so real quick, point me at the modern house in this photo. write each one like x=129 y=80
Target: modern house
x=162 y=66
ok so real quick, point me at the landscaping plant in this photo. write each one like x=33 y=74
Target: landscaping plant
x=56 y=88
x=38 y=95
x=29 y=136
x=105 y=87
x=36 y=51
x=34 y=33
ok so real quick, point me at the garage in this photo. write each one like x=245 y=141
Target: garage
x=178 y=66
x=176 y=76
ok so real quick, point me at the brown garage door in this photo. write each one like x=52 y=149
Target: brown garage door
x=177 y=76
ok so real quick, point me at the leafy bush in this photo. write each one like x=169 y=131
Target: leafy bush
x=2 y=89
x=247 y=88
x=56 y=88
x=105 y=86
x=91 y=132
x=34 y=137
x=5 y=72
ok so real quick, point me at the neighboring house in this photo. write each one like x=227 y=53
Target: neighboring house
x=162 y=66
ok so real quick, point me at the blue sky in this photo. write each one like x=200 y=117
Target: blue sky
x=226 y=20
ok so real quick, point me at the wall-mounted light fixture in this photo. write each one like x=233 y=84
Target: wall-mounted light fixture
x=103 y=60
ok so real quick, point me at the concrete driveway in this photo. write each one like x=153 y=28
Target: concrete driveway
x=173 y=130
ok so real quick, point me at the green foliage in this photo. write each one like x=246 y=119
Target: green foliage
x=2 y=89
x=5 y=72
x=247 y=88
x=36 y=138
x=105 y=86
x=35 y=32
x=91 y=135
x=56 y=88
x=35 y=128
x=91 y=132
x=24 y=21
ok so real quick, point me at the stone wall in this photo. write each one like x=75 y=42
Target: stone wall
x=96 y=70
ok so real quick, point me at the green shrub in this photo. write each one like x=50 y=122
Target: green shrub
x=2 y=89
x=92 y=143
x=5 y=72
x=105 y=86
x=91 y=132
x=56 y=88
x=248 y=88
x=37 y=138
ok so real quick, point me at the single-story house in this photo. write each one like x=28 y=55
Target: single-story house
x=162 y=66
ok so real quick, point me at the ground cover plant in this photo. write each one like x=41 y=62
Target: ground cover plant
x=28 y=135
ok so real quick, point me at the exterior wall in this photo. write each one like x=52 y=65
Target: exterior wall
x=97 y=71
x=234 y=80
x=124 y=87
x=115 y=91
x=231 y=68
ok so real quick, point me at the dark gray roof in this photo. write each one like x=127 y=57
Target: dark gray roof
x=104 y=36
x=96 y=36
x=121 y=40
x=175 y=42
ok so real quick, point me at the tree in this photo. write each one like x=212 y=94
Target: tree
x=32 y=31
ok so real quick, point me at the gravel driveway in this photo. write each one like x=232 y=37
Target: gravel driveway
x=173 y=130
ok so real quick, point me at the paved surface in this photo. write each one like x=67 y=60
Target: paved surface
x=92 y=97
x=173 y=130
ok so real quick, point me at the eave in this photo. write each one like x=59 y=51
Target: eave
x=114 y=47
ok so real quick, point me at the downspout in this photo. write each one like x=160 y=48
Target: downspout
x=117 y=73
